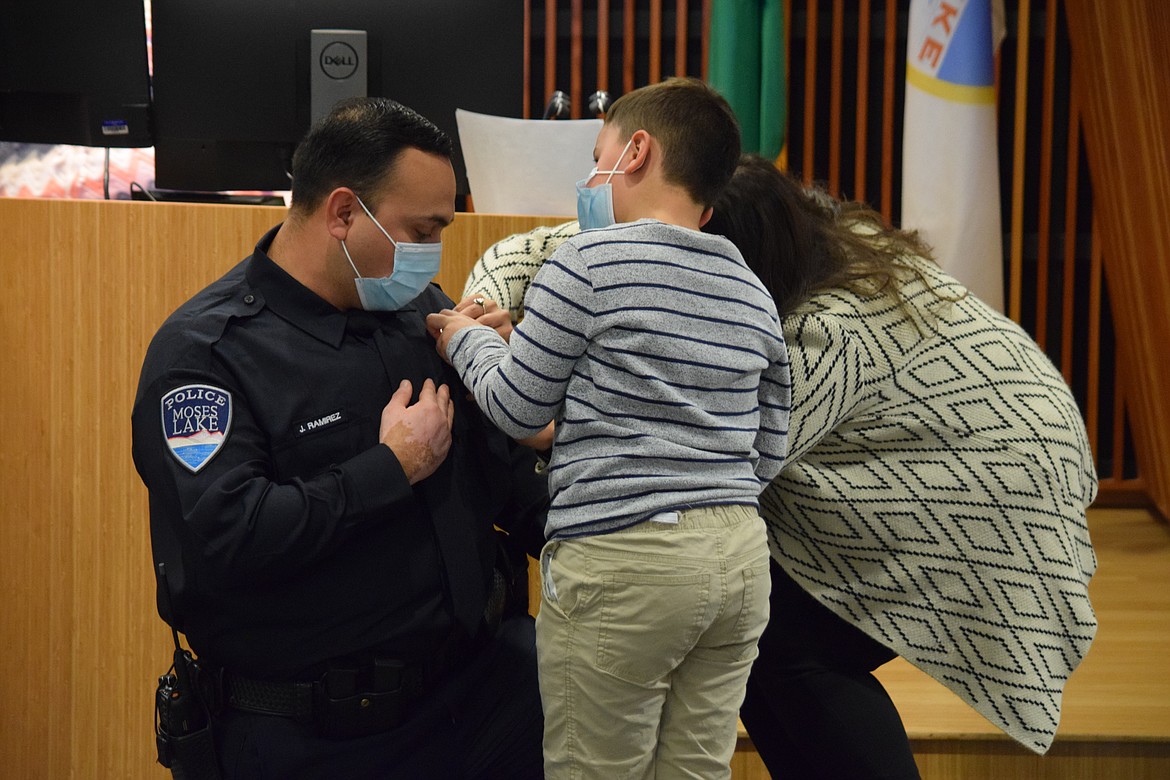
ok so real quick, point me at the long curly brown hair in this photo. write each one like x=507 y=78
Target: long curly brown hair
x=800 y=240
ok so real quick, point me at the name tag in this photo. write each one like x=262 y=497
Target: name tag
x=316 y=424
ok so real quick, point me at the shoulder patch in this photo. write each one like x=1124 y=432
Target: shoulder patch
x=195 y=423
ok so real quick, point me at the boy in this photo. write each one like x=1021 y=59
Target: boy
x=660 y=356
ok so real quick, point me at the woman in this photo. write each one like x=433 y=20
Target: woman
x=933 y=504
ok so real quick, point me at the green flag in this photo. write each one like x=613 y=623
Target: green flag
x=746 y=64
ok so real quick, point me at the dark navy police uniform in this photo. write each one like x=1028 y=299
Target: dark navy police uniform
x=300 y=560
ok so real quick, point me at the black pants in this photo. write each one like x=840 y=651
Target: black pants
x=812 y=708
x=483 y=724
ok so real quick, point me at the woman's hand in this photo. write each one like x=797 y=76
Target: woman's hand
x=487 y=312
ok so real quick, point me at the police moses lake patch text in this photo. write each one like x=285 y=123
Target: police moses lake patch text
x=196 y=420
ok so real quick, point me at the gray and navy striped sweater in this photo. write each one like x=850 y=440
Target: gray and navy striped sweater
x=660 y=355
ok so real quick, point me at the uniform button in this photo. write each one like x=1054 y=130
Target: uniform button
x=249 y=298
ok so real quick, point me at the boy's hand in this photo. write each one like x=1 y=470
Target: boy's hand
x=442 y=325
x=487 y=312
x=541 y=442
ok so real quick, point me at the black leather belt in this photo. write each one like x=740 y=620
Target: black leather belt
x=355 y=699
x=349 y=700
x=286 y=699
x=345 y=703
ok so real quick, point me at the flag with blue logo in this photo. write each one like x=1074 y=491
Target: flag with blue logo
x=950 y=161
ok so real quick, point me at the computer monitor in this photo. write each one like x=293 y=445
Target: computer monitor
x=232 y=77
x=75 y=72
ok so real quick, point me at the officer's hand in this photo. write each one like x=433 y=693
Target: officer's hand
x=419 y=434
x=487 y=312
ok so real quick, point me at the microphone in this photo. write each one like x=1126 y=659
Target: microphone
x=558 y=106
x=599 y=102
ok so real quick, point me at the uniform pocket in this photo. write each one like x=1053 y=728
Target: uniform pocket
x=304 y=457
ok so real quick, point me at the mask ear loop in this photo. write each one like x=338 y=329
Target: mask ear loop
x=345 y=249
x=376 y=222
x=356 y=273
x=625 y=149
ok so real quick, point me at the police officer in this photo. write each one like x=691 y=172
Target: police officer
x=323 y=494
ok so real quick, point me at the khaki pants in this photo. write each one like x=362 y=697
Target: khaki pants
x=644 y=639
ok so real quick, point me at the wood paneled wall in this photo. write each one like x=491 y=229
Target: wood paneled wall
x=1123 y=77
x=86 y=284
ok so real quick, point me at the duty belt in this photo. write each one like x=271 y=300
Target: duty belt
x=347 y=701
x=353 y=700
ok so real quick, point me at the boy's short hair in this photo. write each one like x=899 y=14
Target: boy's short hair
x=695 y=127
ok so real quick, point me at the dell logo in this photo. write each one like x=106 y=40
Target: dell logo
x=338 y=60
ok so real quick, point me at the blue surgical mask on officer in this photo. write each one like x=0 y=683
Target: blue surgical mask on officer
x=595 y=204
x=415 y=265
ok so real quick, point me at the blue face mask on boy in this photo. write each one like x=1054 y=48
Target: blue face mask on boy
x=415 y=265
x=595 y=204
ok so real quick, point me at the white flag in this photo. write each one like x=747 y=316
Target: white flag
x=950 y=166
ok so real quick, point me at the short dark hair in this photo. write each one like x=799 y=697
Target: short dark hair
x=695 y=127
x=356 y=145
